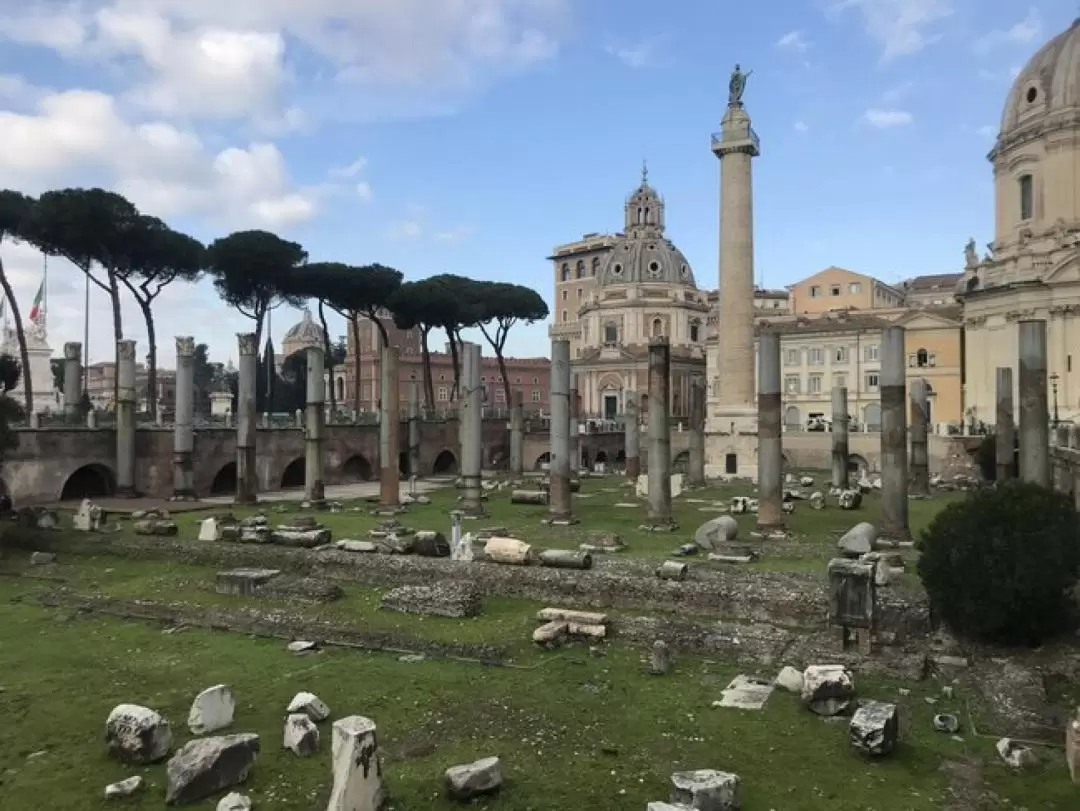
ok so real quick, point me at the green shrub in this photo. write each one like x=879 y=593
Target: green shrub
x=1000 y=565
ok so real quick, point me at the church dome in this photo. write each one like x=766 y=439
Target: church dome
x=304 y=334
x=642 y=254
x=1048 y=87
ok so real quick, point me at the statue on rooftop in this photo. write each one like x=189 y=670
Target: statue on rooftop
x=737 y=85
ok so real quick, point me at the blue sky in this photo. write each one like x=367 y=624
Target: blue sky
x=474 y=138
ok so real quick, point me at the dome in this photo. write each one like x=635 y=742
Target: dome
x=642 y=254
x=1048 y=85
x=306 y=333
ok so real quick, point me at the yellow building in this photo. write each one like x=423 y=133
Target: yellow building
x=839 y=289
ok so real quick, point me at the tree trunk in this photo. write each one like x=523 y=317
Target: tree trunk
x=456 y=363
x=24 y=356
x=505 y=376
x=329 y=358
x=151 y=360
x=354 y=328
x=429 y=383
x=118 y=335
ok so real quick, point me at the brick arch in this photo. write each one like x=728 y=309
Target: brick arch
x=542 y=459
x=445 y=463
x=92 y=480
x=224 y=481
x=294 y=474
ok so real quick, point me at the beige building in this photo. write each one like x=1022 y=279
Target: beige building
x=613 y=294
x=1032 y=270
x=839 y=289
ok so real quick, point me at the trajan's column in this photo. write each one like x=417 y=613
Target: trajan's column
x=732 y=419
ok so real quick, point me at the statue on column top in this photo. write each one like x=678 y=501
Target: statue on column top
x=737 y=85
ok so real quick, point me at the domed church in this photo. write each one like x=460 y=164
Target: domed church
x=1032 y=269
x=644 y=288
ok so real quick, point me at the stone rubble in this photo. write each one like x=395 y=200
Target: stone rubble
x=790 y=679
x=659 y=658
x=716 y=531
x=234 y=801
x=42 y=558
x=448 y=598
x=301 y=736
x=137 y=735
x=875 y=728
x=212 y=709
x=828 y=689
x=707 y=790
x=1016 y=755
x=471 y=780
x=123 y=788
x=849 y=499
x=205 y=766
x=156 y=527
x=310 y=705
x=90 y=517
x=859 y=540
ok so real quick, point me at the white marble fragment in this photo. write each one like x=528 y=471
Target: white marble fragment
x=234 y=801
x=137 y=735
x=212 y=709
x=471 y=780
x=309 y=704
x=301 y=736
x=124 y=788
x=356 y=766
x=790 y=679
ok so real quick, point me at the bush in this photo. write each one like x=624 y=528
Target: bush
x=1000 y=565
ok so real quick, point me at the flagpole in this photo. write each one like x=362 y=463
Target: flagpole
x=44 y=317
x=86 y=337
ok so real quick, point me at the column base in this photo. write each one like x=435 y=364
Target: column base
x=184 y=495
x=659 y=525
x=313 y=504
x=560 y=520
x=389 y=487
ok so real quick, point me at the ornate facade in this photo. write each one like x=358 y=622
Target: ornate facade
x=636 y=285
x=1032 y=268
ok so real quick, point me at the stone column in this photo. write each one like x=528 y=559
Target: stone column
x=920 y=420
x=559 y=506
x=894 y=463
x=840 y=438
x=575 y=431
x=632 y=435
x=184 y=429
x=125 y=418
x=697 y=432
x=770 y=441
x=1005 y=427
x=660 y=433
x=389 y=429
x=72 y=379
x=247 y=479
x=414 y=429
x=472 y=430
x=517 y=434
x=1034 y=411
x=736 y=145
x=315 y=428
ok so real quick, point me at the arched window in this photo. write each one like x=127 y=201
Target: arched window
x=580 y=269
x=1027 y=197
x=695 y=331
x=341 y=388
x=657 y=328
x=922 y=358
x=595 y=265
x=565 y=272
x=611 y=333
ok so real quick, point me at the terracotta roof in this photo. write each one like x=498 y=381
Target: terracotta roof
x=806 y=326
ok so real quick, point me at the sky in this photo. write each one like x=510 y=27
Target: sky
x=473 y=136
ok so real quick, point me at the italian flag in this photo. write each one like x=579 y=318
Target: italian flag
x=35 y=308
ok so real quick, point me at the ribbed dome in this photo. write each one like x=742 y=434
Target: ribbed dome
x=306 y=333
x=1049 y=84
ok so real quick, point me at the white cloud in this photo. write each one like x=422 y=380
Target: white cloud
x=363 y=191
x=900 y=27
x=793 y=41
x=454 y=234
x=1023 y=32
x=884 y=119
x=349 y=171
x=635 y=55
x=801 y=126
x=406 y=229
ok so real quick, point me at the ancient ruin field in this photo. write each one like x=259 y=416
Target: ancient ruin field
x=582 y=726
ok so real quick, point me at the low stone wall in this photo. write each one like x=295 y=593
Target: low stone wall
x=797 y=600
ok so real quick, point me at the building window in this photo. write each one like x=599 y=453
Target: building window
x=791 y=384
x=854 y=288
x=611 y=333
x=536 y=381
x=816 y=356
x=694 y=331
x=839 y=381
x=840 y=354
x=565 y=316
x=580 y=293
x=1027 y=197
x=872 y=381
x=657 y=328
x=443 y=394
x=536 y=395
x=565 y=272
x=517 y=380
x=815 y=291
x=500 y=395
x=813 y=385
x=565 y=295
x=595 y=266
x=791 y=357
x=834 y=290
x=871 y=352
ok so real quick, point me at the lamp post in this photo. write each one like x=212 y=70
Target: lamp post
x=1053 y=389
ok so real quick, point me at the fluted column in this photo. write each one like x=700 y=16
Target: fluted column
x=72 y=379
x=1034 y=408
x=472 y=428
x=389 y=429
x=315 y=428
x=894 y=457
x=770 y=441
x=559 y=506
x=840 y=438
x=247 y=480
x=183 y=427
x=660 y=433
x=1005 y=426
x=517 y=434
x=920 y=419
x=125 y=418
